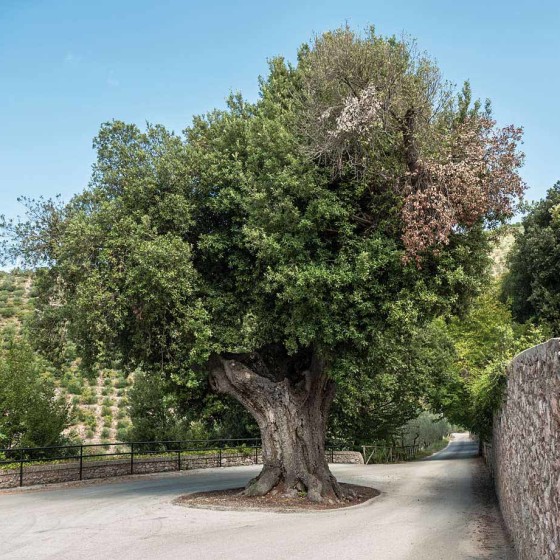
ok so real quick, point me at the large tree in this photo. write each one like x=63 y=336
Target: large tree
x=278 y=246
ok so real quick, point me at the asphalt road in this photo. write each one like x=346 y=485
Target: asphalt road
x=436 y=509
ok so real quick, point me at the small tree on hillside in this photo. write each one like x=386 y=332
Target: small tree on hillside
x=30 y=412
x=268 y=253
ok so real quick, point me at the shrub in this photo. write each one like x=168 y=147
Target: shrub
x=88 y=396
x=121 y=383
x=123 y=403
x=122 y=434
x=7 y=312
x=74 y=387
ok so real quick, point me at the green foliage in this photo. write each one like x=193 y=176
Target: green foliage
x=123 y=434
x=486 y=339
x=88 y=396
x=409 y=370
x=532 y=285
x=162 y=410
x=424 y=430
x=121 y=383
x=7 y=312
x=30 y=413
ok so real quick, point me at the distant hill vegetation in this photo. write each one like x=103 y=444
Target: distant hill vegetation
x=503 y=239
x=98 y=401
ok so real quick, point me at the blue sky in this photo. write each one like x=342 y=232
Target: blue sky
x=67 y=66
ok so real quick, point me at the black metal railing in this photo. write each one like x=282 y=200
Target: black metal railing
x=95 y=460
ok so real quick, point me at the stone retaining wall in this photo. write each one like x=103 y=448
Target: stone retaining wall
x=70 y=471
x=352 y=457
x=525 y=454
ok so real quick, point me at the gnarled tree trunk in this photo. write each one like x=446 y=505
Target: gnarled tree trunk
x=291 y=411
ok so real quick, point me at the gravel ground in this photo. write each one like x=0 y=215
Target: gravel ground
x=438 y=509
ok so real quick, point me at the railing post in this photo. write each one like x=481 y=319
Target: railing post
x=81 y=460
x=179 y=457
x=219 y=457
x=256 y=455
x=21 y=467
x=131 y=458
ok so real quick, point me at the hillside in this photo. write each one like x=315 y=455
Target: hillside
x=98 y=404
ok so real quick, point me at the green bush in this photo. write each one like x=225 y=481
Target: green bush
x=88 y=396
x=90 y=420
x=121 y=383
x=7 y=312
x=105 y=433
x=106 y=411
x=122 y=434
x=74 y=387
x=123 y=403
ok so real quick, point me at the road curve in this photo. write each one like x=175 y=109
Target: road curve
x=440 y=508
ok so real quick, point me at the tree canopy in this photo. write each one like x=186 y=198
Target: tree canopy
x=281 y=246
x=533 y=282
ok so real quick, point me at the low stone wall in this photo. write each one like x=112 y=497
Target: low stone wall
x=48 y=473
x=525 y=454
x=70 y=471
x=352 y=457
